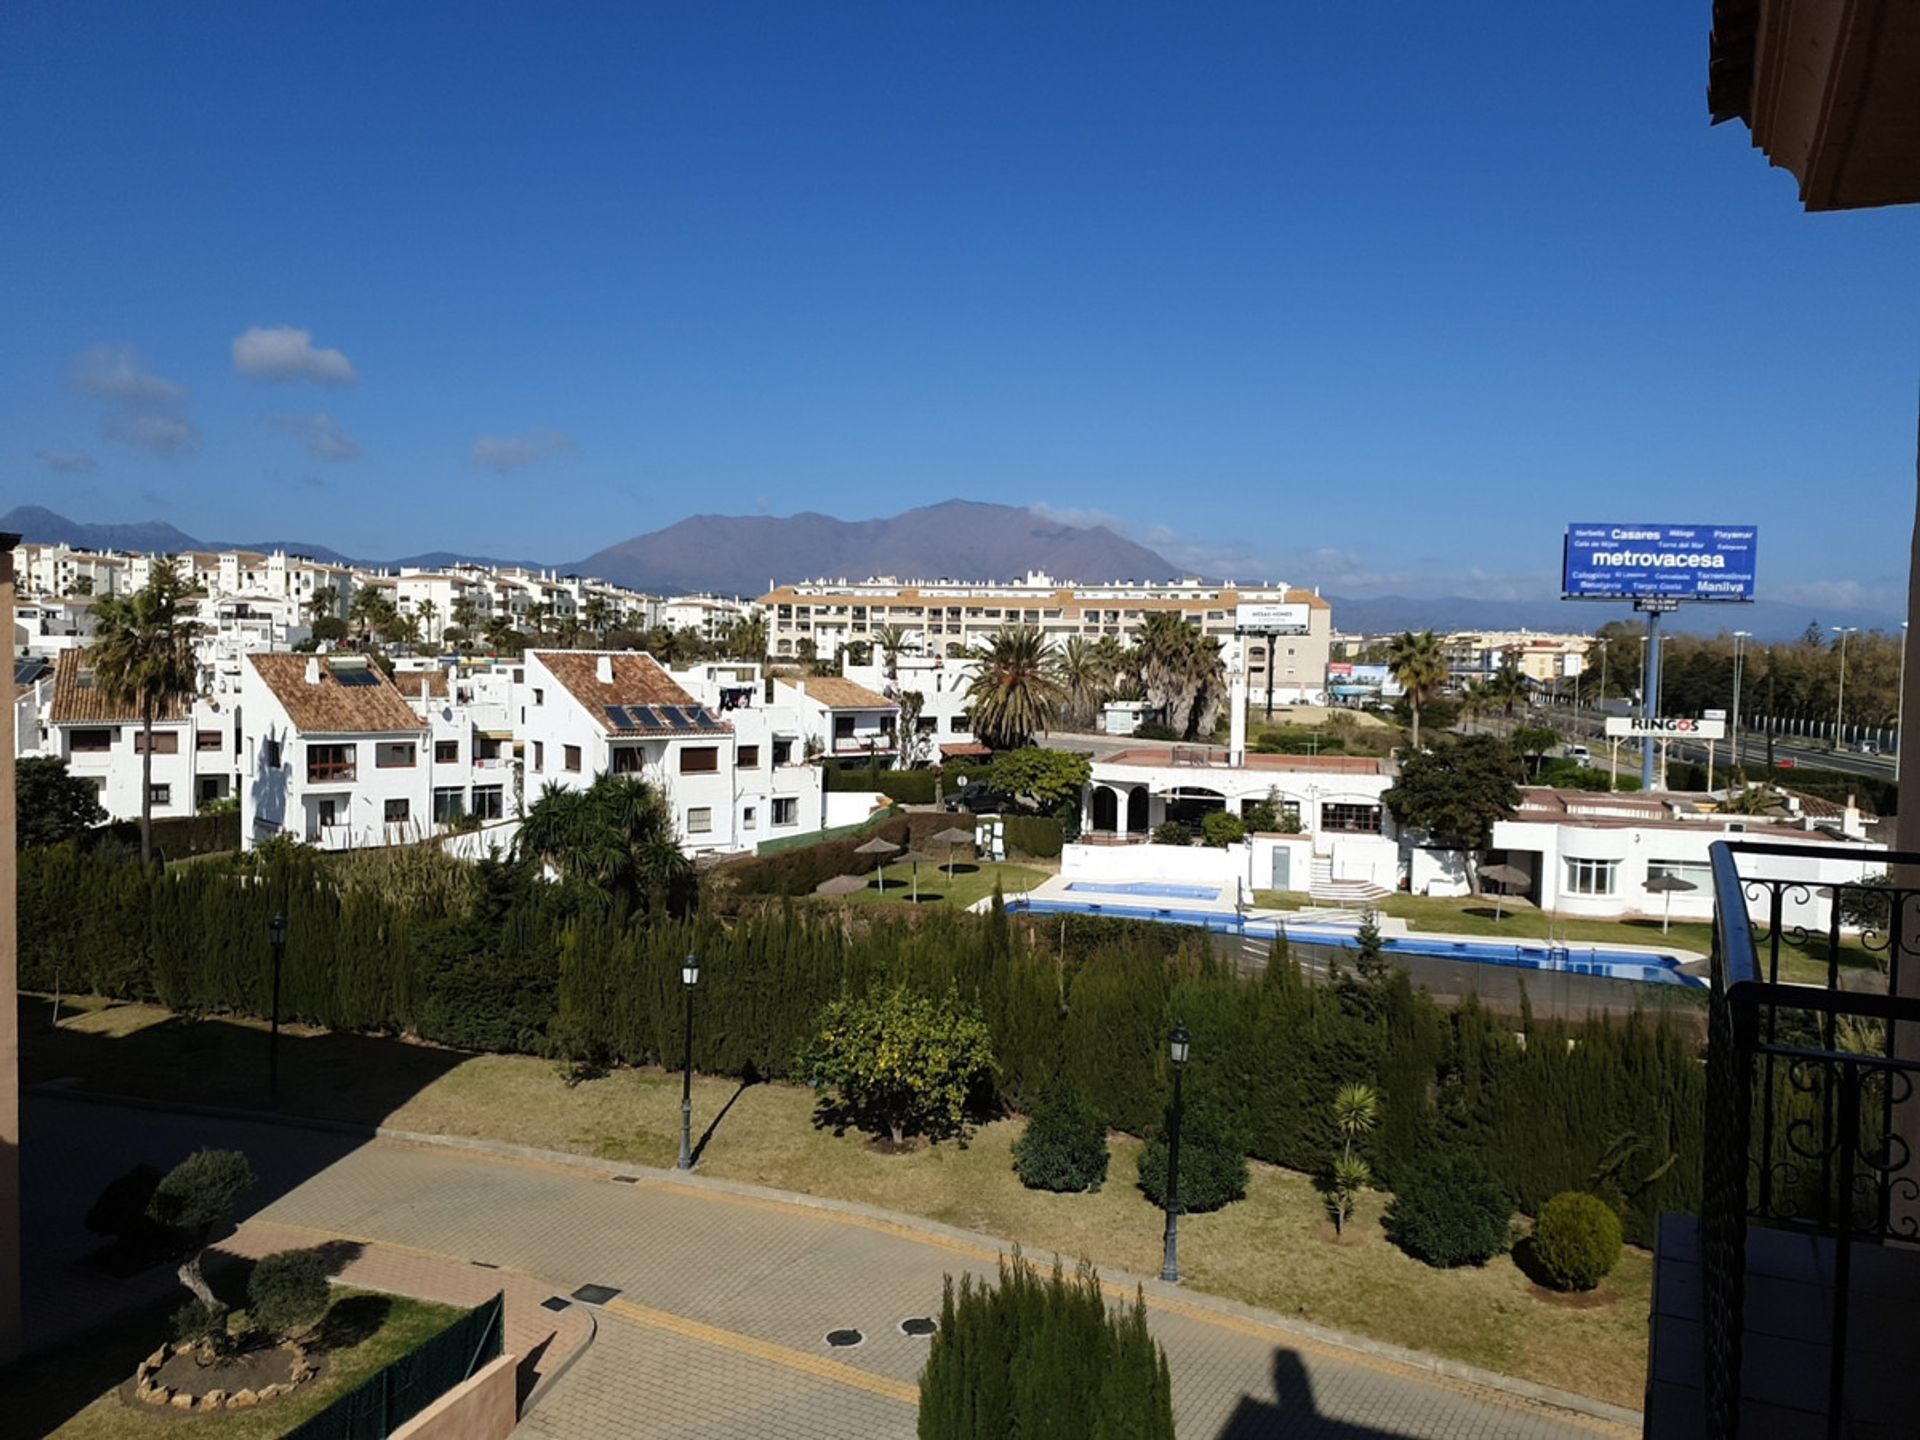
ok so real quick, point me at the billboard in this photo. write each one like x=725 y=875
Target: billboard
x=1265 y=619
x=1674 y=562
x=1679 y=728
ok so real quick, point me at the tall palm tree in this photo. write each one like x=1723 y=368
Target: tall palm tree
x=747 y=640
x=429 y=612
x=615 y=839
x=1508 y=686
x=370 y=609
x=467 y=613
x=1015 y=690
x=323 y=602
x=892 y=640
x=595 y=614
x=1207 y=682
x=1420 y=668
x=1085 y=676
x=1168 y=651
x=143 y=657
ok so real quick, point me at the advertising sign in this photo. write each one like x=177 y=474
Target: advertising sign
x=1677 y=729
x=1676 y=562
x=1264 y=619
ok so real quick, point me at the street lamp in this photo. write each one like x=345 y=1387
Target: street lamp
x=1840 y=696
x=689 y=981
x=1177 y=1045
x=277 y=939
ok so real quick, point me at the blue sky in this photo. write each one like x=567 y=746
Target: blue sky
x=1377 y=298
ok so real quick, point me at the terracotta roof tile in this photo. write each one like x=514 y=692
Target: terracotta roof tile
x=838 y=694
x=326 y=707
x=408 y=682
x=637 y=680
x=77 y=700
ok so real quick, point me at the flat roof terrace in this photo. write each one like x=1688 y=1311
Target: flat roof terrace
x=1217 y=757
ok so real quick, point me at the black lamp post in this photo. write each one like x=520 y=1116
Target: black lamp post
x=277 y=936
x=689 y=979
x=1177 y=1044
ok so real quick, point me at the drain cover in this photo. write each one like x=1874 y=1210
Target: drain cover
x=626 y=1179
x=918 y=1325
x=555 y=1302
x=486 y=1264
x=596 y=1294
x=840 y=1339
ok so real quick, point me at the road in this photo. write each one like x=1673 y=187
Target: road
x=1590 y=729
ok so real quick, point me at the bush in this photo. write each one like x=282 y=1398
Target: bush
x=902 y=1064
x=909 y=787
x=200 y=1322
x=1172 y=832
x=1038 y=836
x=1222 y=829
x=1155 y=730
x=287 y=1292
x=1576 y=1240
x=1034 y=1356
x=1213 y=1162
x=1450 y=1212
x=1064 y=1146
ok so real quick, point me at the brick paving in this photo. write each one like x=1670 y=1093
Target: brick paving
x=727 y=1296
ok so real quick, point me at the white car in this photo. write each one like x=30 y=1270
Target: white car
x=1580 y=753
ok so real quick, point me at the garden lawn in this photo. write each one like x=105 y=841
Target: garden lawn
x=1270 y=1250
x=46 y=1390
x=972 y=881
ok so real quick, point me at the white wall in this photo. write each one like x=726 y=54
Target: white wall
x=1175 y=864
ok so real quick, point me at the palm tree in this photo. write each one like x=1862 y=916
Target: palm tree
x=615 y=839
x=1207 y=683
x=143 y=657
x=1509 y=686
x=569 y=633
x=369 y=610
x=1476 y=698
x=466 y=613
x=892 y=640
x=429 y=612
x=747 y=640
x=1085 y=676
x=1166 y=650
x=323 y=602
x=1014 y=690
x=1420 y=668
x=595 y=615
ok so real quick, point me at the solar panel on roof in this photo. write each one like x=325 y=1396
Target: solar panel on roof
x=707 y=720
x=675 y=717
x=355 y=677
x=617 y=717
x=646 y=717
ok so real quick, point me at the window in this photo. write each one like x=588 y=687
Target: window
x=1351 y=819
x=629 y=760
x=446 y=752
x=208 y=740
x=959 y=724
x=397 y=812
x=160 y=794
x=90 y=742
x=747 y=818
x=330 y=762
x=748 y=757
x=782 y=755
x=571 y=757
x=699 y=759
x=1697 y=873
x=165 y=742
x=489 y=802
x=539 y=755
x=843 y=727
x=700 y=820
x=449 y=803
x=1591 y=877
x=399 y=755
x=270 y=754
x=328 y=813
x=786 y=811
x=539 y=696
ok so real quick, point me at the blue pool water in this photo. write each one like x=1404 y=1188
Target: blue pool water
x=1145 y=887
x=1535 y=955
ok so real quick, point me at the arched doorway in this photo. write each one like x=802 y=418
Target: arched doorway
x=1106 y=809
x=1137 y=810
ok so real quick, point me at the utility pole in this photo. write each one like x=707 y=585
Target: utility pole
x=1739 y=657
x=1840 y=696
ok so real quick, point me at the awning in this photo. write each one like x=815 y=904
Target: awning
x=968 y=751
x=504 y=736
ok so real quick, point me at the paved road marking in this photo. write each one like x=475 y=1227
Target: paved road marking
x=814 y=1365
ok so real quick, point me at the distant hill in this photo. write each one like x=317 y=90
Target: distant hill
x=739 y=554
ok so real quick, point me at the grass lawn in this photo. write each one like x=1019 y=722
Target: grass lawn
x=73 y=1392
x=1273 y=1249
x=971 y=881
x=1473 y=915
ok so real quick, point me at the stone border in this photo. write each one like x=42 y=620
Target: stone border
x=147 y=1390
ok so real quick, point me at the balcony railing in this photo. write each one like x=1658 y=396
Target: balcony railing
x=331 y=772
x=1811 y=1115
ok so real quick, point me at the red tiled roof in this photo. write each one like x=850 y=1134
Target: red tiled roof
x=77 y=700
x=324 y=706
x=638 y=679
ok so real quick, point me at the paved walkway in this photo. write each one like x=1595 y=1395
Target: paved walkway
x=727 y=1293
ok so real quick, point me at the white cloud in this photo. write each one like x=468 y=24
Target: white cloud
x=319 y=432
x=67 y=462
x=281 y=352
x=144 y=410
x=516 y=452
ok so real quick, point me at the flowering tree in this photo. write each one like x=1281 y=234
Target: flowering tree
x=899 y=1063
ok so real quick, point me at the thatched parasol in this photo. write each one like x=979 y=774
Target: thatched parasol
x=951 y=838
x=913 y=858
x=1506 y=878
x=1667 y=885
x=880 y=847
x=841 y=885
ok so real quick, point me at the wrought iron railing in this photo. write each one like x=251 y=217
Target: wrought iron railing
x=1811 y=1108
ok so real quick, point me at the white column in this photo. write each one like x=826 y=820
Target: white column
x=1237 y=719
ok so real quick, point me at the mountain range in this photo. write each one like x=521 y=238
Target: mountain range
x=743 y=554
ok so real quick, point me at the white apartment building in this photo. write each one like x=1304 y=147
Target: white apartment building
x=473 y=769
x=331 y=754
x=104 y=744
x=777 y=791
x=946 y=618
x=843 y=722
x=56 y=570
x=943 y=729
x=586 y=713
x=710 y=616
x=48 y=626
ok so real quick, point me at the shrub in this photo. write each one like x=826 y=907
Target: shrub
x=1213 y=1162
x=1576 y=1240
x=901 y=1063
x=1222 y=829
x=1172 y=832
x=1038 y=836
x=1034 y=1356
x=195 y=1196
x=287 y=1292
x=200 y=1322
x=1064 y=1146
x=1155 y=730
x=1450 y=1212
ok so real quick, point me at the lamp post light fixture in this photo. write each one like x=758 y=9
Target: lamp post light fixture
x=689 y=981
x=1840 y=695
x=1178 y=1044
x=277 y=939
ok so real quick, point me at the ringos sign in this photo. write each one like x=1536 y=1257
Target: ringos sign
x=1674 y=562
x=1678 y=728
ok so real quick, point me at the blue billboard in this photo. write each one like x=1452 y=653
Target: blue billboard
x=1675 y=562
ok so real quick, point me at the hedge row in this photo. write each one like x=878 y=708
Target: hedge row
x=177 y=836
x=502 y=961
x=909 y=787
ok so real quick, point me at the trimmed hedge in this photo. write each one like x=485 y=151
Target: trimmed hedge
x=798 y=871
x=1450 y=1212
x=1576 y=1241
x=909 y=787
x=488 y=956
x=175 y=836
x=1038 y=836
x=1064 y=1147
x=1213 y=1162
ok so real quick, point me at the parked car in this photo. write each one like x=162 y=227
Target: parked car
x=1785 y=762
x=977 y=797
x=1866 y=747
x=1579 y=753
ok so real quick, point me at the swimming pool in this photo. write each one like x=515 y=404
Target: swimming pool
x=1648 y=969
x=1147 y=887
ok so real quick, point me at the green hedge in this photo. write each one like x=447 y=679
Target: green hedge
x=799 y=870
x=489 y=957
x=909 y=787
x=1037 y=836
x=176 y=836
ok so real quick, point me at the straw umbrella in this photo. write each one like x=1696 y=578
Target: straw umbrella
x=841 y=885
x=951 y=838
x=1505 y=879
x=1666 y=885
x=913 y=858
x=882 y=848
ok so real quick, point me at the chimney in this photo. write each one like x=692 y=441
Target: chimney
x=313 y=670
x=603 y=669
